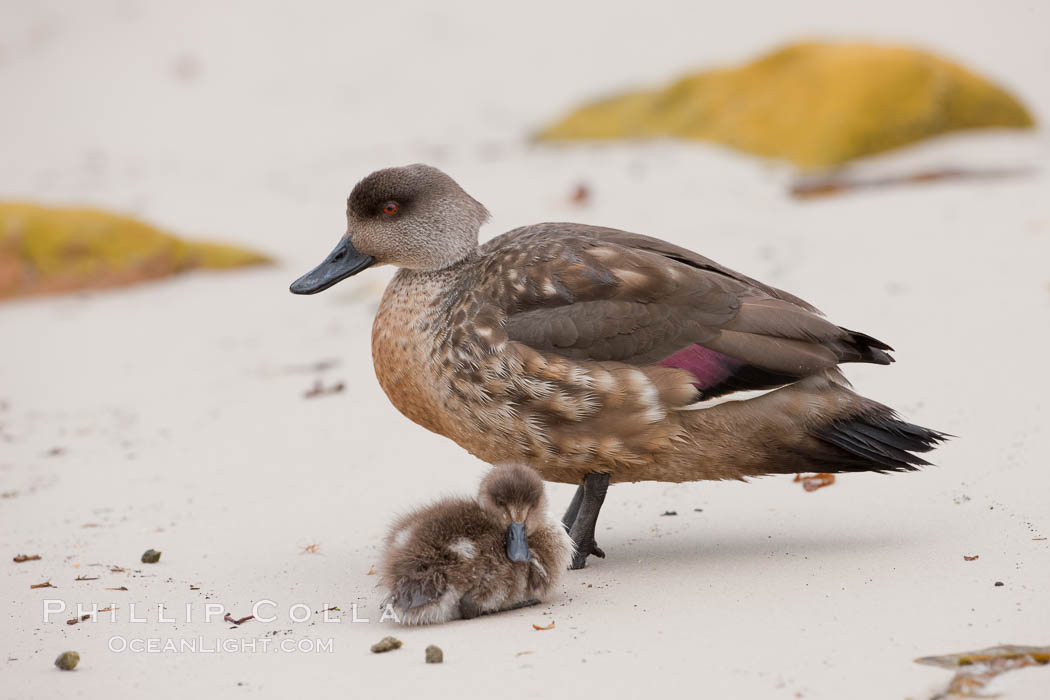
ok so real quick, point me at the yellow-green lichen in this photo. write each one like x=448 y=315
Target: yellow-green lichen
x=815 y=104
x=46 y=250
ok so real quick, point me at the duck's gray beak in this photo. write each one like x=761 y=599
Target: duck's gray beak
x=517 y=543
x=344 y=261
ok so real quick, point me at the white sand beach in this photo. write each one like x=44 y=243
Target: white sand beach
x=171 y=415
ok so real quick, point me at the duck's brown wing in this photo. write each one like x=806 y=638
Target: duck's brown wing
x=590 y=293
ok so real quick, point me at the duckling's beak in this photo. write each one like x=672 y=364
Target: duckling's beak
x=344 y=261
x=517 y=543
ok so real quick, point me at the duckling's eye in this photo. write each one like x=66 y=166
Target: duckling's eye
x=390 y=208
x=500 y=502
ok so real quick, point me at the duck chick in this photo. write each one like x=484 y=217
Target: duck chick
x=460 y=558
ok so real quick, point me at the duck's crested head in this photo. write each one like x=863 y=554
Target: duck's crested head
x=414 y=216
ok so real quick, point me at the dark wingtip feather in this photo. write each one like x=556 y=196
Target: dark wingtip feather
x=867 y=340
x=880 y=442
x=868 y=349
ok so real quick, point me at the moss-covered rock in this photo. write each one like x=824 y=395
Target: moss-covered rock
x=815 y=104
x=47 y=250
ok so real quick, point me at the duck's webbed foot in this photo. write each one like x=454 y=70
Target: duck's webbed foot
x=584 y=510
x=584 y=549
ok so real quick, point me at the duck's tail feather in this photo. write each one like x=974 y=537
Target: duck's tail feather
x=877 y=441
x=815 y=425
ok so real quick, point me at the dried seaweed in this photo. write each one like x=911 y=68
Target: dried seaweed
x=812 y=482
x=976 y=668
x=319 y=389
x=840 y=184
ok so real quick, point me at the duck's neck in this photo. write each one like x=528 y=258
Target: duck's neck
x=433 y=289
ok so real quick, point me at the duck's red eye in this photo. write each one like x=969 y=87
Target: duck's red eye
x=390 y=208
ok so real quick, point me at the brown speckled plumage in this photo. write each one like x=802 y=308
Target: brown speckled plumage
x=578 y=349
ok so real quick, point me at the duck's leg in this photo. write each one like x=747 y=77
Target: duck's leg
x=594 y=487
x=574 y=508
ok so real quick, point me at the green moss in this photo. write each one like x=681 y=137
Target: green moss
x=815 y=104
x=45 y=249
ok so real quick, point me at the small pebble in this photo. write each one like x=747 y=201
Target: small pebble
x=150 y=556
x=999 y=583
x=434 y=654
x=386 y=644
x=67 y=660
x=670 y=512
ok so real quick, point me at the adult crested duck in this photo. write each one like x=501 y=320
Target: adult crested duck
x=578 y=349
x=460 y=558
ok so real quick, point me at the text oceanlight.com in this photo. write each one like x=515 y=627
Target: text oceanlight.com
x=216 y=645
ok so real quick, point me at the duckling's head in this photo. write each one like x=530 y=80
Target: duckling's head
x=414 y=216
x=514 y=497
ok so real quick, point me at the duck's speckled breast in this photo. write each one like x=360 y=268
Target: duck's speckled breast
x=411 y=339
x=403 y=338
